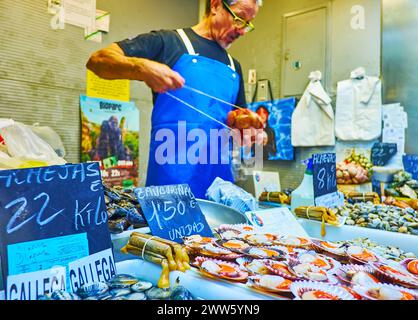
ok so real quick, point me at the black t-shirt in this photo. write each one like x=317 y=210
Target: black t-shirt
x=166 y=46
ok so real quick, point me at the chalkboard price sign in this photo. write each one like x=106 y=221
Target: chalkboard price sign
x=410 y=163
x=49 y=218
x=383 y=152
x=172 y=212
x=325 y=180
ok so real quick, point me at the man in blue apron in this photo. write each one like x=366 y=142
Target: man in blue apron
x=167 y=60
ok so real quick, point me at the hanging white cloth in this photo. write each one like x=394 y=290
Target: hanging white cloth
x=359 y=107
x=313 y=118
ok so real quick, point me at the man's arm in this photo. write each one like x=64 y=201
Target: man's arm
x=111 y=63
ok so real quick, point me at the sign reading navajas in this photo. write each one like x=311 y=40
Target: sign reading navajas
x=50 y=218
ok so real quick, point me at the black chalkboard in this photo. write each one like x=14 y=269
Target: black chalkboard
x=325 y=179
x=410 y=163
x=383 y=152
x=51 y=216
x=172 y=212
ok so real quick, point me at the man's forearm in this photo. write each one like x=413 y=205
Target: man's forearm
x=112 y=64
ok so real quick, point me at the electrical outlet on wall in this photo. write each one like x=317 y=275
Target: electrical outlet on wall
x=252 y=76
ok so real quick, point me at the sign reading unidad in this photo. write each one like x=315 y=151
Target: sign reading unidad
x=172 y=212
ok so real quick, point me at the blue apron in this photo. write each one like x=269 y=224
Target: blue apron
x=181 y=148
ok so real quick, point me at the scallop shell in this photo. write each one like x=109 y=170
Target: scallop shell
x=196 y=241
x=241 y=275
x=264 y=253
x=296 y=242
x=364 y=291
x=239 y=245
x=334 y=264
x=237 y=227
x=258 y=265
x=407 y=264
x=303 y=276
x=406 y=281
x=256 y=239
x=342 y=272
x=281 y=269
x=300 y=287
x=356 y=259
x=318 y=246
x=290 y=251
x=223 y=253
x=254 y=282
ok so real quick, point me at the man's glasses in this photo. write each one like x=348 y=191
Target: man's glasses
x=239 y=22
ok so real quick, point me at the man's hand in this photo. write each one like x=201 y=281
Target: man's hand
x=244 y=119
x=160 y=77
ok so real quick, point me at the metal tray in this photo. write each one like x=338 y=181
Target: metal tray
x=217 y=214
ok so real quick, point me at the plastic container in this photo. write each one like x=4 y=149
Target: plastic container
x=304 y=194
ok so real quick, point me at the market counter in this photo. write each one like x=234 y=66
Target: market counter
x=201 y=287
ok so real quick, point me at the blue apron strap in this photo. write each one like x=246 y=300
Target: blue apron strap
x=191 y=50
x=232 y=65
x=186 y=42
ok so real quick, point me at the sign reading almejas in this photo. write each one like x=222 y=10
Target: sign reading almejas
x=53 y=230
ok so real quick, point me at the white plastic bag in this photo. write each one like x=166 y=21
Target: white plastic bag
x=51 y=137
x=24 y=145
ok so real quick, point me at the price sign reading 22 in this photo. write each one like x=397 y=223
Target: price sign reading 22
x=172 y=212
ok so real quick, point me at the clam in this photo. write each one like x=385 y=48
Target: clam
x=181 y=293
x=122 y=281
x=119 y=292
x=158 y=294
x=141 y=286
x=136 y=296
x=97 y=289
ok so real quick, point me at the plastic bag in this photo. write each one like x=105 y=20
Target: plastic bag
x=229 y=194
x=25 y=148
x=51 y=137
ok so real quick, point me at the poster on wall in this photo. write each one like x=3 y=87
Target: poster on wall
x=110 y=135
x=277 y=117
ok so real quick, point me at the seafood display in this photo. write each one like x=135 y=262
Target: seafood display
x=122 y=287
x=386 y=252
x=383 y=217
x=170 y=255
x=303 y=268
x=355 y=197
x=403 y=186
x=123 y=209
